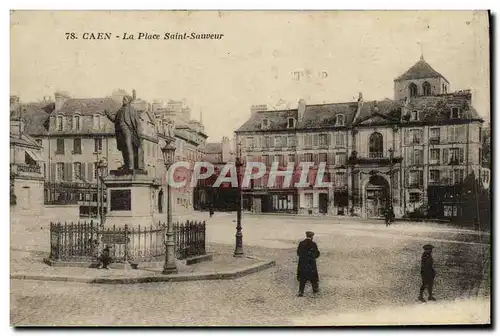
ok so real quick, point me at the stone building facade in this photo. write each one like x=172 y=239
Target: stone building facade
x=75 y=135
x=410 y=152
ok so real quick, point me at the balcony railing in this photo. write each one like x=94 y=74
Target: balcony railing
x=434 y=141
x=376 y=155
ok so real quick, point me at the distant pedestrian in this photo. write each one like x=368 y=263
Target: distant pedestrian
x=211 y=210
x=389 y=216
x=307 y=270
x=105 y=258
x=427 y=272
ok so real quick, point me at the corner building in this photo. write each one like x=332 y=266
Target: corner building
x=413 y=151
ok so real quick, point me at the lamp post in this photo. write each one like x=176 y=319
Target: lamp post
x=391 y=165
x=238 y=250
x=169 y=267
x=101 y=166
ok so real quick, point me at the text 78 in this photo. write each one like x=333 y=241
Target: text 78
x=71 y=36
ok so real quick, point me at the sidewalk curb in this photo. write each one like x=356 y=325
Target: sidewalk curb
x=228 y=275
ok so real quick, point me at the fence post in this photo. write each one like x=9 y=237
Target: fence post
x=126 y=244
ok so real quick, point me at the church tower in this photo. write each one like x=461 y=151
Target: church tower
x=420 y=80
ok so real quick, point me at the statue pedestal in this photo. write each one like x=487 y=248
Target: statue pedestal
x=130 y=199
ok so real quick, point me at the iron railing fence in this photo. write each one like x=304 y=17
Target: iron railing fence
x=85 y=241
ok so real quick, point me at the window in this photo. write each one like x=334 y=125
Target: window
x=77 y=146
x=340 y=139
x=435 y=154
x=315 y=140
x=60 y=171
x=456 y=133
x=414 y=197
x=339 y=120
x=434 y=135
x=456 y=155
x=340 y=159
x=291 y=141
x=76 y=122
x=250 y=142
x=60 y=122
x=417 y=158
x=280 y=141
x=308 y=197
x=307 y=140
x=267 y=160
x=416 y=178
x=415 y=136
x=455 y=113
x=426 y=88
x=458 y=175
x=60 y=146
x=96 y=170
x=340 y=180
x=322 y=157
x=308 y=157
x=280 y=159
x=77 y=171
x=376 y=146
x=97 y=145
x=97 y=121
x=414 y=116
x=291 y=158
x=265 y=123
x=434 y=176
x=291 y=122
x=323 y=140
x=413 y=90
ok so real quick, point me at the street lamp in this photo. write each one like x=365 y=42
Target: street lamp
x=238 y=251
x=169 y=267
x=391 y=164
x=101 y=166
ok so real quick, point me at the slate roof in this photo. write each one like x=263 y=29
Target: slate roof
x=324 y=115
x=213 y=148
x=420 y=70
x=89 y=106
x=437 y=109
x=278 y=120
x=379 y=112
x=36 y=117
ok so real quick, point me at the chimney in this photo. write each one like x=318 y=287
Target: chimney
x=61 y=97
x=257 y=108
x=301 y=108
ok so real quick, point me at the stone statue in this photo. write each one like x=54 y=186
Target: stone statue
x=128 y=140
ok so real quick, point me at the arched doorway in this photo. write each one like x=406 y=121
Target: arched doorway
x=376 y=196
x=160 y=201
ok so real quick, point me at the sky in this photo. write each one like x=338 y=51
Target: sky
x=343 y=52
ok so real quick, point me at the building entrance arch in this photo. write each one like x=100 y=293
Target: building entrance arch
x=376 y=196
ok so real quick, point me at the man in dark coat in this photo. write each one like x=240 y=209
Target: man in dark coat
x=307 y=270
x=427 y=272
x=128 y=141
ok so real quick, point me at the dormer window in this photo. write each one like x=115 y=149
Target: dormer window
x=265 y=123
x=76 y=122
x=291 y=122
x=414 y=116
x=60 y=122
x=455 y=113
x=97 y=121
x=339 y=120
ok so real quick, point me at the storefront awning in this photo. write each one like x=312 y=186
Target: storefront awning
x=34 y=155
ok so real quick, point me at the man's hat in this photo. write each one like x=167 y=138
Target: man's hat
x=309 y=234
x=129 y=98
x=428 y=247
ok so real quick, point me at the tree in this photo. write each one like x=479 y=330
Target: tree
x=486 y=152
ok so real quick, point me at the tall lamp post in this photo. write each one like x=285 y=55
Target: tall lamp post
x=169 y=267
x=391 y=166
x=101 y=166
x=238 y=250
